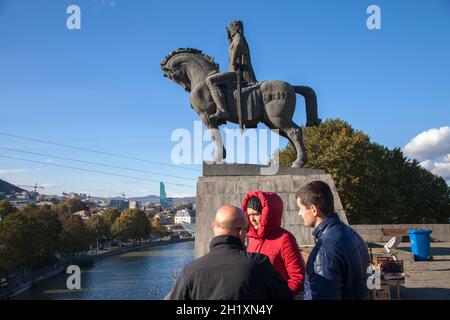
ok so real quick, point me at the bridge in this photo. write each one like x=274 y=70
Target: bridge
x=189 y=227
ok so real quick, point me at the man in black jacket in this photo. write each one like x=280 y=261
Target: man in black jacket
x=228 y=272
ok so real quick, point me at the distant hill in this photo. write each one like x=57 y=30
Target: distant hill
x=150 y=198
x=9 y=188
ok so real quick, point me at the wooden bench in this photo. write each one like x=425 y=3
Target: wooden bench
x=395 y=231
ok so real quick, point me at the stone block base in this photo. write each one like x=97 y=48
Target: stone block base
x=229 y=183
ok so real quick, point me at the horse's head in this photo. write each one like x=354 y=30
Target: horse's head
x=187 y=65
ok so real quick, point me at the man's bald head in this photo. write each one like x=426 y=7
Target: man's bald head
x=229 y=221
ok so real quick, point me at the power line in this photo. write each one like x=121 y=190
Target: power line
x=96 y=163
x=95 y=171
x=96 y=151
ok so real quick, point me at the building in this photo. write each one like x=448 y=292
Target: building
x=165 y=219
x=84 y=214
x=74 y=195
x=118 y=204
x=185 y=215
x=134 y=204
x=21 y=199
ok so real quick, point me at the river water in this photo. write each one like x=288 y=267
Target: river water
x=146 y=274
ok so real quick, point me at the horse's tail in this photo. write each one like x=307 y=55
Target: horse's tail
x=310 y=104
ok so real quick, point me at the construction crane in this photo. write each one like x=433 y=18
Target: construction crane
x=34 y=187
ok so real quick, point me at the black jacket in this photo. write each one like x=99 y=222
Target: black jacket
x=228 y=272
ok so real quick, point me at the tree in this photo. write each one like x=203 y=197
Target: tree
x=70 y=206
x=375 y=184
x=111 y=215
x=76 y=237
x=29 y=239
x=15 y=250
x=132 y=224
x=158 y=230
x=6 y=208
x=98 y=227
x=46 y=233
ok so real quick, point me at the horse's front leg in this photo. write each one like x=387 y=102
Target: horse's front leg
x=216 y=137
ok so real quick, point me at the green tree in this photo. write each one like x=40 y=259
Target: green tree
x=375 y=184
x=46 y=233
x=69 y=207
x=15 y=250
x=6 y=208
x=157 y=228
x=111 y=216
x=29 y=239
x=75 y=237
x=98 y=227
x=132 y=224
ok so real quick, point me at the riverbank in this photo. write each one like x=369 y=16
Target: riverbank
x=16 y=286
x=89 y=259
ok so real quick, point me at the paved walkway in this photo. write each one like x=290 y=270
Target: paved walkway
x=426 y=279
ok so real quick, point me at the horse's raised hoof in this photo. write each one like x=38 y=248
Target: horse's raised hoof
x=298 y=164
x=218 y=160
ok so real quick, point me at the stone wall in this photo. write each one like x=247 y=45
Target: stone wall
x=229 y=183
x=374 y=233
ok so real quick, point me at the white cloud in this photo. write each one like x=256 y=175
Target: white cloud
x=11 y=171
x=429 y=144
x=438 y=168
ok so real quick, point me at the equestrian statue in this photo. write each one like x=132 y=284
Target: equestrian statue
x=236 y=96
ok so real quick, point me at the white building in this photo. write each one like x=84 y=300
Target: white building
x=185 y=215
x=133 y=204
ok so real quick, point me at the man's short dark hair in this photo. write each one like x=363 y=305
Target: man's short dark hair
x=319 y=194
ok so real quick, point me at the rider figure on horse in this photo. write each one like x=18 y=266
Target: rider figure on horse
x=239 y=60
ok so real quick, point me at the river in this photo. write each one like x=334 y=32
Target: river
x=146 y=274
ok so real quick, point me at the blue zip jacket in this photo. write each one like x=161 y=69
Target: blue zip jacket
x=337 y=266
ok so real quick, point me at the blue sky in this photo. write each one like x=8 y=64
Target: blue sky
x=101 y=87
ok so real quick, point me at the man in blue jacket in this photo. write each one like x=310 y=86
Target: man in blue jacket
x=337 y=266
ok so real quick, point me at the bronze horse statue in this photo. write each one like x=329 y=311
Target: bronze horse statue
x=270 y=102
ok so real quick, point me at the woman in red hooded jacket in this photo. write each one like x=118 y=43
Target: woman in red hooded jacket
x=266 y=236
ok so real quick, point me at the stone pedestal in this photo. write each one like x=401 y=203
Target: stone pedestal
x=229 y=183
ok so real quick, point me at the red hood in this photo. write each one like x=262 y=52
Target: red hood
x=272 y=211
